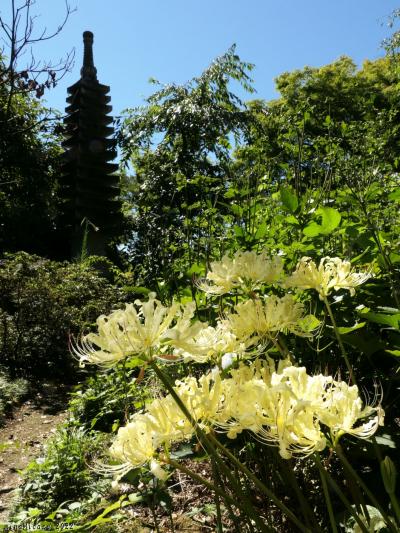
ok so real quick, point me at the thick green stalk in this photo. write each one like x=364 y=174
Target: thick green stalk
x=326 y=493
x=216 y=498
x=204 y=439
x=259 y=484
x=339 y=339
x=346 y=503
x=370 y=495
x=233 y=517
x=213 y=488
x=395 y=505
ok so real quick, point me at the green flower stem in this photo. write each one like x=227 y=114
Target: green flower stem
x=370 y=495
x=307 y=511
x=395 y=505
x=229 y=508
x=339 y=339
x=205 y=440
x=328 y=501
x=346 y=502
x=216 y=498
x=212 y=487
x=210 y=443
x=258 y=483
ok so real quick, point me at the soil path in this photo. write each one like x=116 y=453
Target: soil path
x=23 y=436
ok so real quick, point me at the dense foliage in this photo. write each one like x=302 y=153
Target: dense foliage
x=29 y=164
x=42 y=304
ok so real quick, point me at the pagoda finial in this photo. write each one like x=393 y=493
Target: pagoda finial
x=88 y=70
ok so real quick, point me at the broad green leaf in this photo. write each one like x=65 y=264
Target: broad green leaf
x=290 y=219
x=309 y=323
x=385 y=440
x=329 y=222
x=239 y=231
x=261 y=231
x=394 y=258
x=330 y=219
x=237 y=210
x=312 y=229
x=74 y=505
x=385 y=319
x=182 y=451
x=346 y=330
x=396 y=353
x=289 y=199
x=395 y=195
x=196 y=268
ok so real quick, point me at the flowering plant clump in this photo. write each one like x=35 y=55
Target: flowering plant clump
x=282 y=406
x=277 y=401
x=332 y=273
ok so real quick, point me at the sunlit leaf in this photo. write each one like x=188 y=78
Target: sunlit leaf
x=289 y=199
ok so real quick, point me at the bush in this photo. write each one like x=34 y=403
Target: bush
x=43 y=303
x=64 y=473
x=10 y=393
x=107 y=400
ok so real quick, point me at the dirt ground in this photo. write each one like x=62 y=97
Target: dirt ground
x=23 y=436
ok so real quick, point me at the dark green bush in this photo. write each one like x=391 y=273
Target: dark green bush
x=43 y=303
x=11 y=392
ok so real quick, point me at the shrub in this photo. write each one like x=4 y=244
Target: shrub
x=64 y=473
x=10 y=393
x=107 y=400
x=42 y=303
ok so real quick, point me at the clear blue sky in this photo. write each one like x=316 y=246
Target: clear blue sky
x=174 y=40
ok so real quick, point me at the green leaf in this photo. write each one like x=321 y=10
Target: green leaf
x=101 y=518
x=391 y=320
x=385 y=440
x=290 y=219
x=196 y=268
x=182 y=451
x=74 y=505
x=396 y=353
x=395 y=195
x=312 y=229
x=237 y=210
x=239 y=231
x=289 y=199
x=346 y=330
x=309 y=323
x=330 y=220
x=261 y=231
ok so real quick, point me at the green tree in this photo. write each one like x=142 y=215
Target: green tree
x=29 y=153
x=29 y=133
x=180 y=147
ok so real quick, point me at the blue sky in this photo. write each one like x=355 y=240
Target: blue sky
x=174 y=40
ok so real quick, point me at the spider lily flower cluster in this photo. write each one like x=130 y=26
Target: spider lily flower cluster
x=154 y=329
x=148 y=329
x=332 y=273
x=282 y=406
x=246 y=270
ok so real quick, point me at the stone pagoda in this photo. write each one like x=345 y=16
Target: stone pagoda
x=89 y=184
